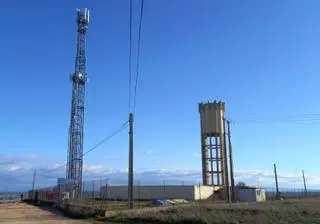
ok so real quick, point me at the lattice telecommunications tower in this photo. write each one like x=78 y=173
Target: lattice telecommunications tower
x=79 y=79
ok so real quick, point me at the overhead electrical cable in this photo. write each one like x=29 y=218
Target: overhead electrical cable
x=130 y=52
x=117 y=131
x=138 y=56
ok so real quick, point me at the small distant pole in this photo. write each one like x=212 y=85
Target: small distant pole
x=276 y=180
x=304 y=183
x=233 y=192
x=93 y=193
x=33 y=183
x=130 y=173
x=226 y=176
x=138 y=183
x=106 y=189
x=59 y=194
x=83 y=190
x=100 y=188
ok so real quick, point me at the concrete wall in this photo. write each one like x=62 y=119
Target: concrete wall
x=260 y=195
x=149 y=192
x=251 y=195
x=203 y=192
x=188 y=192
x=246 y=195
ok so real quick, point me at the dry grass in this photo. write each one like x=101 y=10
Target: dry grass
x=284 y=212
x=109 y=205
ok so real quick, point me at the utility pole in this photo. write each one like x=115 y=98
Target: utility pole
x=226 y=161
x=233 y=192
x=33 y=183
x=130 y=173
x=100 y=188
x=138 y=183
x=276 y=180
x=304 y=183
x=93 y=193
x=106 y=194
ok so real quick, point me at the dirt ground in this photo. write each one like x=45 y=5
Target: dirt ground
x=18 y=213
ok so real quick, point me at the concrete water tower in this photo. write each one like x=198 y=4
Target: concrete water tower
x=213 y=144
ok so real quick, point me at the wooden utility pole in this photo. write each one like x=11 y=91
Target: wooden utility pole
x=138 y=183
x=304 y=183
x=33 y=183
x=130 y=173
x=34 y=179
x=93 y=193
x=225 y=162
x=100 y=188
x=106 y=194
x=276 y=180
x=233 y=191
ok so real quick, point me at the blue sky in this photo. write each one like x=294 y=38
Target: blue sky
x=260 y=57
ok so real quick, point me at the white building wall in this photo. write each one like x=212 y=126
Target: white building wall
x=203 y=192
x=149 y=192
x=251 y=195
x=260 y=195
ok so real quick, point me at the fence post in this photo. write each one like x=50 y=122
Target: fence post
x=93 y=194
x=138 y=183
x=276 y=181
x=107 y=189
x=83 y=190
x=100 y=188
x=33 y=184
x=59 y=194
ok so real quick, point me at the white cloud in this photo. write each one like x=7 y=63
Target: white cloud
x=18 y=175
x=266 y=178
x=148 y=152
x=15 y=168
x=13 y=160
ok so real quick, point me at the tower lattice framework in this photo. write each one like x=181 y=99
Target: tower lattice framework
x=76 y=129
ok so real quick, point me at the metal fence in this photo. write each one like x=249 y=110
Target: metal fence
x=271 y=193
x=12 y=197
x=95 y=194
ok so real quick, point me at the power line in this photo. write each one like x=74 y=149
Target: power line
x=52 y=170
x=130 y=51
x=138 y=55
x=108 y=137
x=121 y=128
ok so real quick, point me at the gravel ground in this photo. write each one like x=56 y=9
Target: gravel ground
x=18 y=213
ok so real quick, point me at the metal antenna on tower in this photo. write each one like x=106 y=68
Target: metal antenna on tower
x=79 y=79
